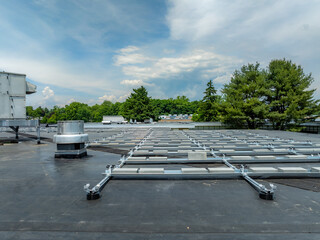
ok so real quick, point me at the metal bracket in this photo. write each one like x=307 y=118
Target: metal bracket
x=95 y=192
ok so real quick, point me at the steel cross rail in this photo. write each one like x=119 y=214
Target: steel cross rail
x=95 y=192
x=264 y=193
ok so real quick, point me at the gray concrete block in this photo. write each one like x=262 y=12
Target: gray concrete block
x=217 y=147
x=292 y=169
x=263 y=169
x=241 y=157
x=221 y=170
x=160 y=151
x=194 y=170
x=229 y=146
x=141 y=152
x=280 y=150
x=315 y=169
x=151 y=170
x=309 y=150
x=265 y=157
x=147 y=147
x=260 y=150
x=125 y=170
x=297 y=156
x=136 y=158
x=158 y=158
x=197 y=155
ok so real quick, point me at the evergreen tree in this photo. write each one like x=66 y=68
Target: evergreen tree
x=288 y=96
x=138 y=106
x=208 y=108
x=244 y=97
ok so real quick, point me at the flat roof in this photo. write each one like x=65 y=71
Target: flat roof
x=43 y=198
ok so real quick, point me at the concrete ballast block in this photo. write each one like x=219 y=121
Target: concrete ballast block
x=241 y=157
x=315 y=169
x=197 y=156
x=194 y=170
x=125 y=170
x=151 y=170
x=158 y=158
x=260 y=150
x=160 y=151
x=221 y=170
x=292 y=169
x=136 y=158
x=263 y=169
x=297 y=156
x=280 y=150
x=141 y=152
x=265 y=157
x=309 y=150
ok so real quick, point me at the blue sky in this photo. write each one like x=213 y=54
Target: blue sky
x=90 y=50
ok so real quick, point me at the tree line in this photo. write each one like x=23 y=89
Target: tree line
x=278 y=95
x=151 y=108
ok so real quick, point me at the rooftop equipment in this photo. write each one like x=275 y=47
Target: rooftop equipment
x=13 y=91
x=71 y=139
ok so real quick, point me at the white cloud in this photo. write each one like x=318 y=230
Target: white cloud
x=123 y=97
x=135 y=82
x=47 y=93
x=251 y=30
x=105 y=97
x=199 y=60
x=169 y=51
x=127 y=56
x=129 y=49
x=113 y=98
x=212 y=20
x=130 y=59
x=132 y=82
x=222 y=79
x=71 y=100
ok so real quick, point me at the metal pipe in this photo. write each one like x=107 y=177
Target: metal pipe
x=264 y=193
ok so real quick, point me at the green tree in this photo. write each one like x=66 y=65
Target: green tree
x=30 y=112
x=245 y=97
x=138 y=106
x=52 y=119
x=288 y=96
x=208 y=108
x=77 y=111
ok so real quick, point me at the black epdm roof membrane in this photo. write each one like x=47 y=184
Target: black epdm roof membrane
x=43 y=198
